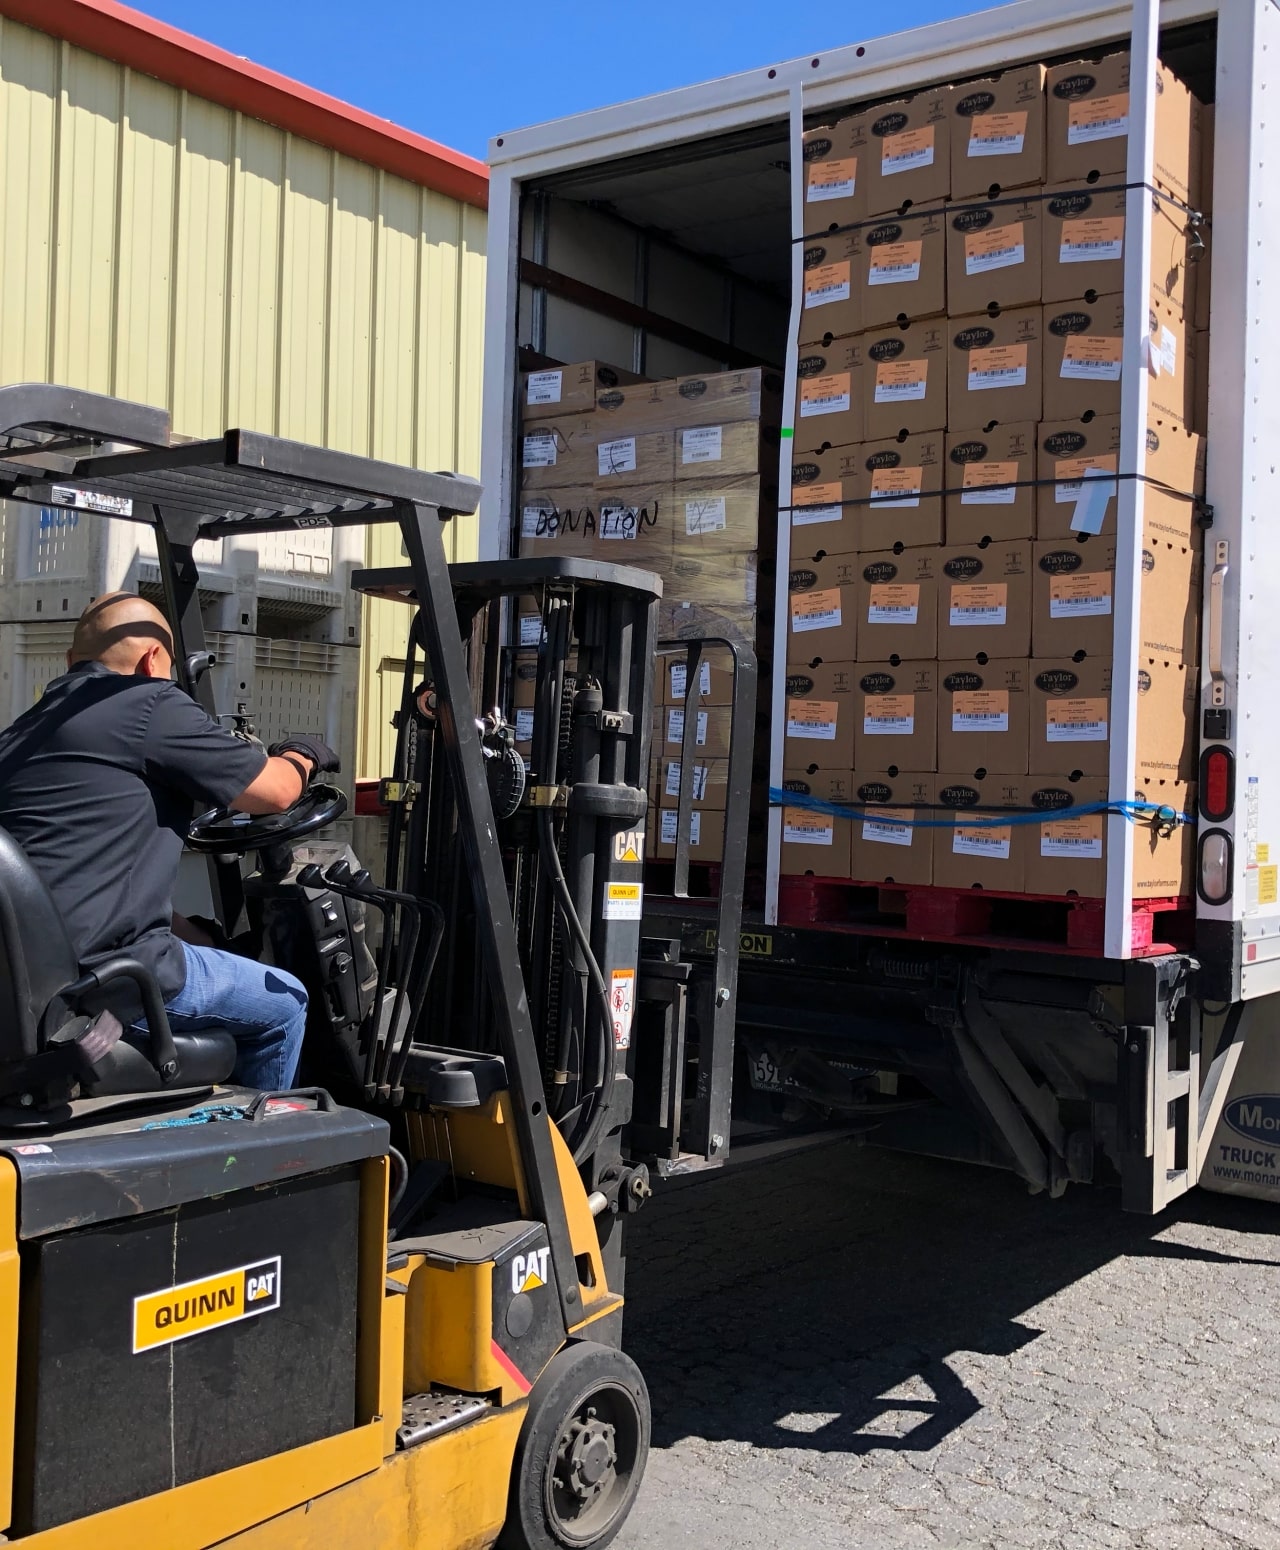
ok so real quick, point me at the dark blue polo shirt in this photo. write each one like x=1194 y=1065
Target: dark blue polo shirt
x=97 y=784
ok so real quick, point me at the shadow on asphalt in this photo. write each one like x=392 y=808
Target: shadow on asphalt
x=813 y=1302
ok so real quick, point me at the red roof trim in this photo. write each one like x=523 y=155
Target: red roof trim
x=117 y=32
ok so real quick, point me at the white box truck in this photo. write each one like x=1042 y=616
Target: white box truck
x=667 y=236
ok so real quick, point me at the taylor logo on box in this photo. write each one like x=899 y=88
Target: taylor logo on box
x=879 y=235
x=692 y=389
x=799 y=684
x=811 y=365
x=890 y=124
x=1070 y=323
x=959 y=796
x=612 y=400
x=879 y=571
x=606 y=376
x=1061 y=562
x=1065 y=443
x=1153 y=441
x=1074 y=86
x=814 y=256
x=1144 y=680
x=963 y=567
x=815 y=150
x=1067 y=205
x=972 y=220
x=1050 y=798
x=883 y=460
x=877 y=683
x=974 y=338
x=1056 y=680
x=803 y=580
x=875 y=791
x=804 y=473
x=975 y=102
x=887 y=349
x=961 y=683
x=969 y=452
x=800 y=788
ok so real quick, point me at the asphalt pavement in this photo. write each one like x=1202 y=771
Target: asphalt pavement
x=849 y=1349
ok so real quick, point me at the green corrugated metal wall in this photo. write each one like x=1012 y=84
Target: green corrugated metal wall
x=159 y=247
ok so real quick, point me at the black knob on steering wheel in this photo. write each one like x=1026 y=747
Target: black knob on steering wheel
x=221 y=830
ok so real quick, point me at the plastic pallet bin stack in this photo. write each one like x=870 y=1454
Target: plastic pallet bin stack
x=955 y=486
x=278 y=610
x=669 y=476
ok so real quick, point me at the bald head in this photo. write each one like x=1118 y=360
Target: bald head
x=126 y=634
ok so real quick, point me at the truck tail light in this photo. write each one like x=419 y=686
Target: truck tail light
x=1214 y=882
x=1217 y=783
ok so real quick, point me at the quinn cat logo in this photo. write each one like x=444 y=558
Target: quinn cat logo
x=196 y=1307
x=529 y=1271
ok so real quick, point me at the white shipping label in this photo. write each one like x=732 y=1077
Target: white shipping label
x=1094 y=358
x=524 y=724
x=616 y=457
x=814 y=719
x=619 y=522
x=989 y=719
x=702 y=444
x=835 y=288
x=977 y=613
x=680 y=677
x=835 y=402
x=997 y=134
x=907 y=152
x=539 y=451
x=544 y=387
x=700 y=773
x=675 y=727
x=1075 y=732
x=1083 y=596
x=816 y=611
x=902 y=723
x=993 y=843
x=806 y=516
x=1074 y=847
x=533 y=522
x=622 y=1004
x=1002 y=247
x=1090 y=252
x=1168 y=351
x=670 y=832
x=803 y=828
x=897 y=264
x=894 y=612
x=832 y=180
x=705 y=516
x=531 y=629
x=1098 y=118
x=882 y=831
x=623 y=901
x=989 y=495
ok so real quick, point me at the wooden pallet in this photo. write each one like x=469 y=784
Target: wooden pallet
x=977 y=917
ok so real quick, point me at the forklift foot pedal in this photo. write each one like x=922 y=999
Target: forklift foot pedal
x=427 y=1415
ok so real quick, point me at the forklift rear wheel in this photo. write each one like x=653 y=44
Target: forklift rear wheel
x=581 y=1452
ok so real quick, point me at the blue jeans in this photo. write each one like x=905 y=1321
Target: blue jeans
x=262 y=1007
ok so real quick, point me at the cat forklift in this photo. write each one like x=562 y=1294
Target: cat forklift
x=384 y=1308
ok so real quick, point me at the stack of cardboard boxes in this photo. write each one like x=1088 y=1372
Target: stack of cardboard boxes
x=954 y=504
x=678 y=477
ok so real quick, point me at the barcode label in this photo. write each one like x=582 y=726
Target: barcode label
x=544 y=387
x=616 y=457
x=531 y=629
x=705 y=516
x=883 y=831
x=675 y=727
x=702 y=445
x=524 y=725
x=700 y=772
x=539 y=451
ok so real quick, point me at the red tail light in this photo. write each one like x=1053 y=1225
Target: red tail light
x=1217 y=783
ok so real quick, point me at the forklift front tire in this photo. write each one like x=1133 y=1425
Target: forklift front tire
x=581 y=1452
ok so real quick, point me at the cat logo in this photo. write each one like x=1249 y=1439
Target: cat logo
x=196 y=1307
x=529 y=1271
x=629 y=846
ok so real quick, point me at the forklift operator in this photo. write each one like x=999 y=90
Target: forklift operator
x=97 y=782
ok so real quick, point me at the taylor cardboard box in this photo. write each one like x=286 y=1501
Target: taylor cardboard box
x=984 y=600
x=558 y=454
x=824 y=487
x=997 y=132
x=711 y=731
x=897 y=605
x=713 y=682
x=891 y=843
x=833 y=193
x=822 y=704
x=977 y=850
x=902 y=268
x=644 y=457
x=710 y=782
x=897 y=721
x=729 y=451
x=822 y=609
x=898 y=487
x=1070 y=715
x=720 y=397
x=1073 y=603
x=557 y=391
x=904 y=150
x=557 y=522
x=994 y=371
x=832 y=298
x=1083 y=242
x=1164 y=859
x=814 y=844
x=901 y=375
x=706 y=834
x=1088 y=125
x=993 y=255
x=1066 y=853
x=1085 y=350
x=983 y=710
x=718 y=579
x=714 y=518
x=991 y=484
x=829 y=409
x=1066 y=449
x=1167 y=720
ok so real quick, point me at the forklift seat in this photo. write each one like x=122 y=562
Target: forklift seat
x=37 y=965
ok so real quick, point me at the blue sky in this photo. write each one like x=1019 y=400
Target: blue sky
x=461 y=73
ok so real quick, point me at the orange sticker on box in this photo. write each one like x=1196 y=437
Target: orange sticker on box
x=889 y=715
x=1089 y=241
x=1098 y=118
x=1083 y=595
x=989 y=484
x=907 y=152
x=826 y=395
x=976 y=835
x=1092 y=357
x=812 y=719
x=894 y=603
x=802 y=827
x=827 y=283
x=1076 y=721
x=815 y=610
x=831 y=179
x=900 y=382
x=1072 y=839
x=998 y=366
x=1070 y=472
x=980 y=710
x=895 y=263
x=888 y=826
x=996 y=247
x=997 y=134
x=979 y=602
x=813 y=503
x=896 y=486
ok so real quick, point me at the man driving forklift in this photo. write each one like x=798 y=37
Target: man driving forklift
x=97 y=782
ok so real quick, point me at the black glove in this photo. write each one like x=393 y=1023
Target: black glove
x=313 y=748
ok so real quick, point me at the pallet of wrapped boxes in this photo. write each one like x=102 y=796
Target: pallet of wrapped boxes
x=949 y=645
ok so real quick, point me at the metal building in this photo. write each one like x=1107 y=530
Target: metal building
x=188 y=229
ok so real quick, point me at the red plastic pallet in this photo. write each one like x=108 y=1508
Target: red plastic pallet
x=977 y=917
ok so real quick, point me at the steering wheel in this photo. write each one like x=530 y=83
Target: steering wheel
x=221 y=830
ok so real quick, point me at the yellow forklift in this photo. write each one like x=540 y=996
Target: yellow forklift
x=383 y=1308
